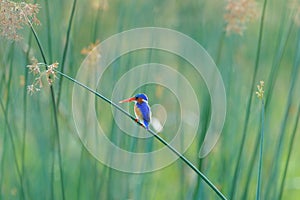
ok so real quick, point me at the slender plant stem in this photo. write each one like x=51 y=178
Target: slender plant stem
x=96 y=24
x=281 y=47
x=182 y=157
x=13 y=147
x=250 y=171
x=258 y=189
x=49 y=30
x=24 y=123
x=49 y=39
x=205 y=123
x=94 y=37
x=54 y=111
x=3 y=152
x=5 y=111
x=80 y=174
x=278 y=154
x=291 y=145
x=236 y=171
x=65 y=51
x=2 y=156
x=25 y=113
x=277 y=60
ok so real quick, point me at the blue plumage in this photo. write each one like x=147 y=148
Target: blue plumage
x=142 y=111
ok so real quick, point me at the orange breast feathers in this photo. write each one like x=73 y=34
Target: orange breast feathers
x=138 y=113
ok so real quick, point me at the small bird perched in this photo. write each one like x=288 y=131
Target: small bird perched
x=141 y=108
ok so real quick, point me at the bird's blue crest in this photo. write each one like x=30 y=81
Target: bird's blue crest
x=141 y=95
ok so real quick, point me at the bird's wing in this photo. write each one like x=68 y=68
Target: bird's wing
x=145 y=109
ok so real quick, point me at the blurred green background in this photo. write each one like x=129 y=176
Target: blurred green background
x=39 y=162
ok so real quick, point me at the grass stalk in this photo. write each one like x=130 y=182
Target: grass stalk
x=65 y=51
x=2 y=164
x=10 y=133
x=251 y=168
x=291 y=145
x=278 y=154
x=245 y=128
x=5 y=111
x=94 y=39
x=260 y=163
x=49 y=38
x=24 y=124
x=277 y=60
x=25 y=113
x=281 y=47
x=205 y=123
x=182 y=157
x=54 y=111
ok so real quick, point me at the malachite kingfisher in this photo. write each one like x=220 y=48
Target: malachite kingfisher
x=141 y=108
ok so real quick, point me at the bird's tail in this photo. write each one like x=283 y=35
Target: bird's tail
x=146 y=123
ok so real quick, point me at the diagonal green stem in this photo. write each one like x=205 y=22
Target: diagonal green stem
x=182 y=157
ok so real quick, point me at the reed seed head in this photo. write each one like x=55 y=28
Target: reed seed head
x=14 y=16
x=94 y=54
x=260 y=90
x=100 y=5
x=31 y=89
x=34 y=67
x=295 y=9
x=48 y=74
x=238 y=14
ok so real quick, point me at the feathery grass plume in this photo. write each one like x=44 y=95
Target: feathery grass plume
x=87 y=50
x=295 y=8
x=238 y=14
x=13 y=16
x=297 y=16
x=49 y=74
x=100 y=5
x=93 y=55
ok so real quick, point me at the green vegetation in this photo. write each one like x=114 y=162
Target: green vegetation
x=41 y=155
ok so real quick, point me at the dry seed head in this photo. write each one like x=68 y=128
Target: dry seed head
x=260 y=90
x=94 y=54
x=38 y=82
x=13 y=16
x=100 y=5
x=34 y=67
x=295 y=9
x=49 y=74
x=87 y=50
x=31 y=89
x=238 y=14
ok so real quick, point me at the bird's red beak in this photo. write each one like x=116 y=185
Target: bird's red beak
x=128 y=100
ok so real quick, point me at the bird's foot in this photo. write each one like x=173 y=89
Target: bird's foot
x=138 y=121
